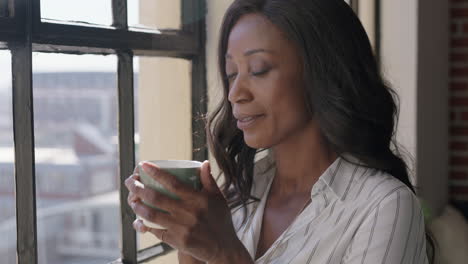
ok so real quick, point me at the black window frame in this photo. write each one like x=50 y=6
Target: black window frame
x=22 y=31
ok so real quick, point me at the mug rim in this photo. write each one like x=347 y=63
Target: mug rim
x=176 y=164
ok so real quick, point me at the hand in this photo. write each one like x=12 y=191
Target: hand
x=199 y=224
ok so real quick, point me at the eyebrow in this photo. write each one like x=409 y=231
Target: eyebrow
x=250 y=52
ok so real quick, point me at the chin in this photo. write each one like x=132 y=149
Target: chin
x=256 y=142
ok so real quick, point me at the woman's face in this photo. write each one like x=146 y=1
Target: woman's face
x=264 y=70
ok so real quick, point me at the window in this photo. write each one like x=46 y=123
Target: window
x=75 y=114
x=79 y=11
x=148 y=21
x=7 y=158
x=70 y=106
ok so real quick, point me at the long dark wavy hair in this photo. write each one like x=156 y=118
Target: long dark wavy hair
x=355 y=108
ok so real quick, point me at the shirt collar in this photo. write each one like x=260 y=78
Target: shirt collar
x=336 y=179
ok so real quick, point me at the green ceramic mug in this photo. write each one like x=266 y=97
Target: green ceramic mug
x=187 y=171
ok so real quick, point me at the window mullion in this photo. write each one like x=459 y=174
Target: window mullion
x=36 y=12
x=4 y=10
x=23 y=129
x=119 y=14
x=193 y=21
x=126 y=135
x=127 y=153
x=80 y=37
x=10 y=30
x=24 y=154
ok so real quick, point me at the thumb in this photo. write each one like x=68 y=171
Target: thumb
x=207 y=180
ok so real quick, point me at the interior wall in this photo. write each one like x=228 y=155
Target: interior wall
x=432 y=102
x=415 y=61
x=367 y=16
x=399 y=64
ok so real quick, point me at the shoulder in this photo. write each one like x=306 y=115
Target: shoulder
x=389 y=222
x=379 y=194
x=378 y=187
x=357 y=185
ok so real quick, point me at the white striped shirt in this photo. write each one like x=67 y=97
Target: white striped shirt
x=357 y=215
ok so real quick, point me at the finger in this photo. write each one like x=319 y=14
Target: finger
x=139 y=226
x=153 y=197
x=132 y=198
x=168 y=239
x=207 y=180
x=130 y=179
x=152 y=215
x=136 y=170
x=169 y=181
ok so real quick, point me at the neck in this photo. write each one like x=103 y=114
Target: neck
x=300 y=160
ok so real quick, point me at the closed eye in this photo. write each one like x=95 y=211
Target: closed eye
x=260 y=72
x=230 y=76
x=233 y=75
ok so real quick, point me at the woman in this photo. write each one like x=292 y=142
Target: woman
x=301 y=82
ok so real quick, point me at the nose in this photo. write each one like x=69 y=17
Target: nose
x=239 y=92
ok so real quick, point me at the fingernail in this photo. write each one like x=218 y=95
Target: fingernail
x=139 y=184
x=148 y=168
x=141 y=227
x=137 y=225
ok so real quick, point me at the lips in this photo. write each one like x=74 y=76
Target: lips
x=243 y=116
x=246 y=121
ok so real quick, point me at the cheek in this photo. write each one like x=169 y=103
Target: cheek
x=282 y=100
x=288 y=107
x=289 y=117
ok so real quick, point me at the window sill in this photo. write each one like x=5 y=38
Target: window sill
x=148 y=254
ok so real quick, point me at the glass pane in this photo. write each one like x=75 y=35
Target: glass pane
x=154 y=14
x=7 y=159
x=136 y=70
x=163 y=87
x=90 y=11
x=136 y=101
x=75 y=112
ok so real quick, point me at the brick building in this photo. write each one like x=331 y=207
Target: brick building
x=459 y=104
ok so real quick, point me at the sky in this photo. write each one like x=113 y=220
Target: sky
x=92 y=11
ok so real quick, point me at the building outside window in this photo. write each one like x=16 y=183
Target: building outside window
x=63 y=160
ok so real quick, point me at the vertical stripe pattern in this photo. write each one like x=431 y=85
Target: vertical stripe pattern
x=357 y=216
